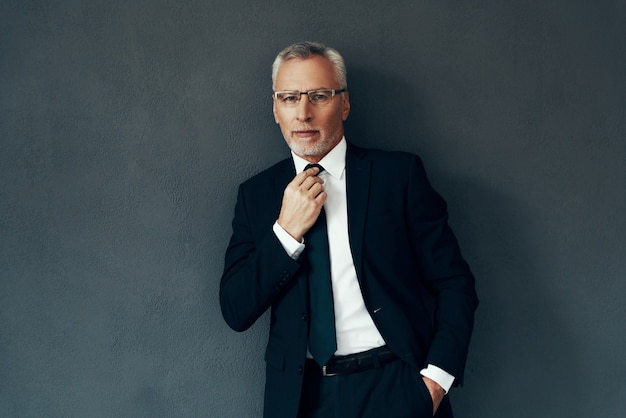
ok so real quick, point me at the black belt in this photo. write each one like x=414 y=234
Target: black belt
x=353 y=363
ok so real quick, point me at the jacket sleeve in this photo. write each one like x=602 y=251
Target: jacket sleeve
x=446 y=274
x=256 y=268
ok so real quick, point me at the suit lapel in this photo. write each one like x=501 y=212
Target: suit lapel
x=358 y=171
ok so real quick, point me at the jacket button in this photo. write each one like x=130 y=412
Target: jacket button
x=304 y=316
x=300 y=369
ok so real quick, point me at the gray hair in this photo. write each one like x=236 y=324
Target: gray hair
x=303 y=50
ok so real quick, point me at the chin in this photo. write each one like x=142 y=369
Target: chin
x=309 y=151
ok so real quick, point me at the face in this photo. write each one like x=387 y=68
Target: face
x=310 y=131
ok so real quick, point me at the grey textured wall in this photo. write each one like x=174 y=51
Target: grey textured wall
x=126 y=126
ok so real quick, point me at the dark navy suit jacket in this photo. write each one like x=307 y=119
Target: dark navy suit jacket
x=415 y=283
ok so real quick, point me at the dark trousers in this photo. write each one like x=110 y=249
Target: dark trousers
x=394 y=390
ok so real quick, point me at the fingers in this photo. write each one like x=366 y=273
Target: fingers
x=302 y=202
x=308 y=183
x=312 y=186
x=310 y=173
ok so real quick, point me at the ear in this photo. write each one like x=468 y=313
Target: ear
x=345 y=109
x=274 y=111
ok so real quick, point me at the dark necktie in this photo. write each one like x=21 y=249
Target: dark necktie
x=322 y=339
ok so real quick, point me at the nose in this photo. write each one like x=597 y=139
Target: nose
x=304 y=110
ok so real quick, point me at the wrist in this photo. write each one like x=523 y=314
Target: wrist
x=443 y=378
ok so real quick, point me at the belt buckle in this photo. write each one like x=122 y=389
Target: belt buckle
x=325 y=372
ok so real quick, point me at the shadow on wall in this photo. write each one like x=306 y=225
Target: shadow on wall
x=522 y=355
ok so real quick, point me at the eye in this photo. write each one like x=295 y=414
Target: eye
x=321 y=95
x=288 y=97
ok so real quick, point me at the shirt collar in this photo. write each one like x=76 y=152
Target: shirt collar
x=334 y=162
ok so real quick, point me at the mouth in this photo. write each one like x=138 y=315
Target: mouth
x=305 y=133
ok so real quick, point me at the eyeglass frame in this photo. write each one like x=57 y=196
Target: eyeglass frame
x=334 y=92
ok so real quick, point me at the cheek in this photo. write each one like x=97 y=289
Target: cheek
x=283 y=118
x=279 y=116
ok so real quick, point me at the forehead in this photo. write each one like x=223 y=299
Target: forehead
x=306 y=74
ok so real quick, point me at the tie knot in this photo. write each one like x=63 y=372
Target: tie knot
x=314 y=165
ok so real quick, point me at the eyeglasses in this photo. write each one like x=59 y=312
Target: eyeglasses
x=317 y=97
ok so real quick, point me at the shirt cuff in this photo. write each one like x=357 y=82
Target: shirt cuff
x=443 y=378
x=291 y=246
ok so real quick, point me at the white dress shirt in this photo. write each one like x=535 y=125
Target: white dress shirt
x=356 y=331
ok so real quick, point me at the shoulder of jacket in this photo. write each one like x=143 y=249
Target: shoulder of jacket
x=380 y=155
x=270 y=173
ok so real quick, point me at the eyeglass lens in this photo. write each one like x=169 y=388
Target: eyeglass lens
x=316 y=97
